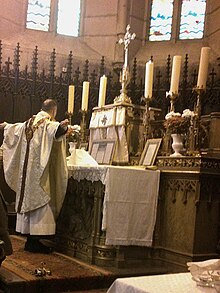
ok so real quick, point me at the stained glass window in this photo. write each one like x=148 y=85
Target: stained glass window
x=161 y=20
x=38 y=15
x=192 y=19
x=68 y=17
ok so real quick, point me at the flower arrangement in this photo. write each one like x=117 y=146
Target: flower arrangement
x=73 y=133
x=177 y=123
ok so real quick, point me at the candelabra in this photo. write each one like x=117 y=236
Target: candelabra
x=83 y=126
x=199 y=92
x=172 y=96
x=194 y=145
x=69 y=115
x=146 y=119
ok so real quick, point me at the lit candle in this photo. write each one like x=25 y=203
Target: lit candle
x=71 y=99
x=175 y=76
x=203 y=68
x=149 y=79
x=85 y=96
x=102 y=91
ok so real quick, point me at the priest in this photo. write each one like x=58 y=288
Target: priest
x=34 y=162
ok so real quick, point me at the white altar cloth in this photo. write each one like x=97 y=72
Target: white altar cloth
x=130 y=201
x=130 y=205
x=92 y=173
x=169 y=283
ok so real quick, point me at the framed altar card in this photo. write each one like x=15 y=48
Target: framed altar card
x=102 y=151
x=150 y=151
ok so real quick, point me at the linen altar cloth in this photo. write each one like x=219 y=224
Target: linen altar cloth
x=91 y=173
x=130 y=205
x=169 y=283
x=130 y=201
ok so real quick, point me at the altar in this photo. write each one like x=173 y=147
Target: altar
x=182 y=223
x=101 y=213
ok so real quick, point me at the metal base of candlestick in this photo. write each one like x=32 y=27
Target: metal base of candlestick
x=172 y=96
x=69 y=115
x=83 y=126
x=146 y=119
x=199 y=92
x=123 y=98
x=194 y=131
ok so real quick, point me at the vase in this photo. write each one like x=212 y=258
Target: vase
x=72 y=147
x=72 y=150
x=177 y=145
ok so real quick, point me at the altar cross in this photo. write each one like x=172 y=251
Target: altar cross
x=128 y=37
x=124 y=76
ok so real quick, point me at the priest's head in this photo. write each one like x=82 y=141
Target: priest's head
x=50 y=106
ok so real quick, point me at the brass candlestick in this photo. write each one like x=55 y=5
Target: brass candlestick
x=198 y=106
x=83 y=126
x=194 y=145
x=69 y=115
x=172 y=96
x=146 y=119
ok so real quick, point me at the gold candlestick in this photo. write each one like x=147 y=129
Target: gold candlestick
x=146 y=119
x=83 y=126
x=194 y=143
x=172 y=96
x=198 y=106
x=69 y=115
x=68 y=138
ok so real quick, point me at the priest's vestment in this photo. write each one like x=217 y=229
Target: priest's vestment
x=35 y=168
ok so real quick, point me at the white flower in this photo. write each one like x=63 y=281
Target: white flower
x=75 y=128
x=188 y=113
x=172 y=114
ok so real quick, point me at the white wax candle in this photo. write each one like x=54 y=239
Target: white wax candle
x=102 y=91
x=175 y=76
x=85 y=96
x=203 y=67
x=149 y=79
x=71 y=99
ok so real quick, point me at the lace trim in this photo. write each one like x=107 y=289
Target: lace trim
x=89 y=173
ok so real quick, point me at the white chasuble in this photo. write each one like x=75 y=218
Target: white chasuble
x=35 y=168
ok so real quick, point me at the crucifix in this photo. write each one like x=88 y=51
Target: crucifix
x=124 y=76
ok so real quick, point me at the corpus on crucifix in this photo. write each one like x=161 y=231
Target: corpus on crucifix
x=124 y=75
